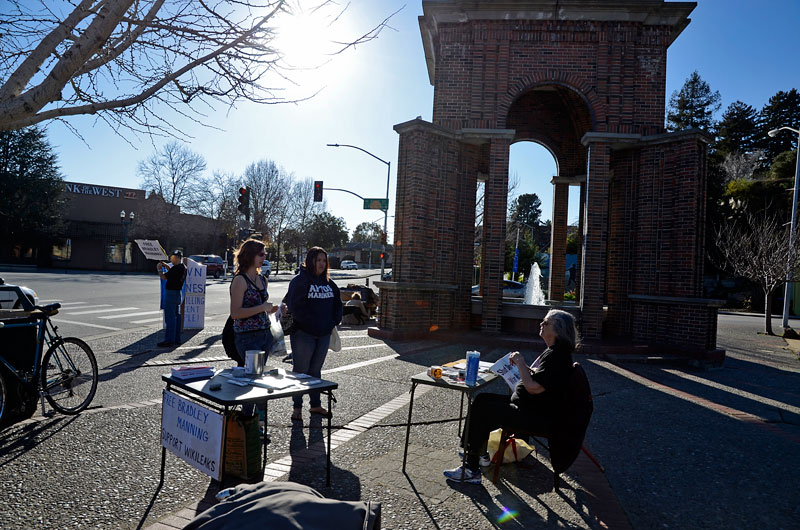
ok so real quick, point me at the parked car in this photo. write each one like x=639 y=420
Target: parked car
x=348 y=265
x=511 y=289
x=10 y=300
x=387 y=276
x=266 y=268
x=213 y=263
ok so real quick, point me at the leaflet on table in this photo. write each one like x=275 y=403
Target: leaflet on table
x=276 y=383
x=508 y=371
x=483 y=366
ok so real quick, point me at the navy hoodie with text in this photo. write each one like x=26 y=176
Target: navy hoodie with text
x=315 y=303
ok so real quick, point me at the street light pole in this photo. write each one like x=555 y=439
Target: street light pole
x=386 y=211
x=125 y=225
x=789 y=274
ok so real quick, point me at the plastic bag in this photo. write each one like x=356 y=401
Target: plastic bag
x=336 y=342
x=278 y=346
x=515 y=451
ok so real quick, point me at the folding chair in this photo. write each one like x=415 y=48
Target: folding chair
x=566 y=440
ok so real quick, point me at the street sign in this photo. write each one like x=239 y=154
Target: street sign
x=376 y=204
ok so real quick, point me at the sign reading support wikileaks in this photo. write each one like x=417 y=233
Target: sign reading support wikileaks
x=194 y=303
x=192 y=433
x=151 y=249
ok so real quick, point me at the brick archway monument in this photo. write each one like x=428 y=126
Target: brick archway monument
x=586 y=79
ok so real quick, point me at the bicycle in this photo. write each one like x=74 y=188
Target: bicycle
x=66 y=377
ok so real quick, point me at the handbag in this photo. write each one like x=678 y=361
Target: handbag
x=229 y=342
x=336 y=342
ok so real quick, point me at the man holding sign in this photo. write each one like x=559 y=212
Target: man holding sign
x=175 y=276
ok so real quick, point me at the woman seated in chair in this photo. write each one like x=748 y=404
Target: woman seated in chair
x=537 y=400
x=354 y=312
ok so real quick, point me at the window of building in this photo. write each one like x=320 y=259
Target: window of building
x=62 y=250
x=114 y=253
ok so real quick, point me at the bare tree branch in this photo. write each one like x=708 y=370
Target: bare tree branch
x=130 y=60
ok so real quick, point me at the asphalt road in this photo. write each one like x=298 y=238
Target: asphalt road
x=93 y=303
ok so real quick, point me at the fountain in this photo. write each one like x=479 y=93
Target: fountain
x=533 y=290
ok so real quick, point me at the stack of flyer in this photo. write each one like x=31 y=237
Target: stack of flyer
x=192 y=372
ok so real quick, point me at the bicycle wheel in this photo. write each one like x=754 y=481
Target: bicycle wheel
x=3 y=401
x=69 y=375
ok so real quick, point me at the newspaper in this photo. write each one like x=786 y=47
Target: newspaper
x=507 y=370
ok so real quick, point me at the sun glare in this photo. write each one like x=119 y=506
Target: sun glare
x=308 y=39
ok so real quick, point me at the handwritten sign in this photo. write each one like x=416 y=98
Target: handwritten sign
x=192 y=433
x=151 y=249
x=194 y=306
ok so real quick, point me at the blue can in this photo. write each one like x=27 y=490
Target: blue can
x=473 y=361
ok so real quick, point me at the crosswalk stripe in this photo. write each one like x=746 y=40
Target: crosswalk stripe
x=102 y=311
x=133 y=314
x=60 y=321
x=147 y=320
x=83 y=307
x=67 y=303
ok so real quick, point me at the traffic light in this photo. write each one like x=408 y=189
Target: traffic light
x=382 y=255
x=383 y=237
x=244 y=202
x=317 y=191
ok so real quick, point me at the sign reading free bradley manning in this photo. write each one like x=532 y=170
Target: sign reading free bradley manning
x=193 y=433
x=151 y=249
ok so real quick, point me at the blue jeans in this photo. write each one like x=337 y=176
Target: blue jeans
x=172 y=319
x=260 y=340
x=308 y=356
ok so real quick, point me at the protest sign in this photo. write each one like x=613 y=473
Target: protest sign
x=151 y=249
x=192 y=433
x=194 y=305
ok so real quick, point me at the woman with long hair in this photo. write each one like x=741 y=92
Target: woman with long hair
x=249 y=305
x=316 y=307
x=537 y=402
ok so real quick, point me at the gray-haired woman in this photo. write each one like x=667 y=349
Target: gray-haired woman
x=536 y=401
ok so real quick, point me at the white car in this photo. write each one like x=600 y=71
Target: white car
x=348 y=265
x=9 y=298
x=266 y=268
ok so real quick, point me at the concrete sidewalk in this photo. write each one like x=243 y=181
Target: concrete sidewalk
x=680 y=449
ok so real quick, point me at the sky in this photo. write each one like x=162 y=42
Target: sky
x=744 y=49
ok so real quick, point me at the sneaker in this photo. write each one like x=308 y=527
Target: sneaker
x=287 y=359
x=483 y=460
x=469 y=476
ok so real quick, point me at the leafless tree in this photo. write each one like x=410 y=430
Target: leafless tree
x=302 y=209
x=269 y=185
x=174 y=172
x=216 y=198
x=757 y=248
x=126 y=61
x=738 y=165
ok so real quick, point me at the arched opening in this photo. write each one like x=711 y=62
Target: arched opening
x=550 y=121
x=531 y=166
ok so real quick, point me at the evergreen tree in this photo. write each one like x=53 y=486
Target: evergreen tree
x=31 y=204
x=693 y=106
x=737 y=130
x=782 y=109
x=526 y=210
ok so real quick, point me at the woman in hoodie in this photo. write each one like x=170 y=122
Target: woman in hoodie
x=316 y=307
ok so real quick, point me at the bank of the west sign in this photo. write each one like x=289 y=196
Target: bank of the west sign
x=101 y=191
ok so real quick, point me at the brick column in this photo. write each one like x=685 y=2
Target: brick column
x=581 y=228
x=558 y=239
x=494 y=234
x=593 y=278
